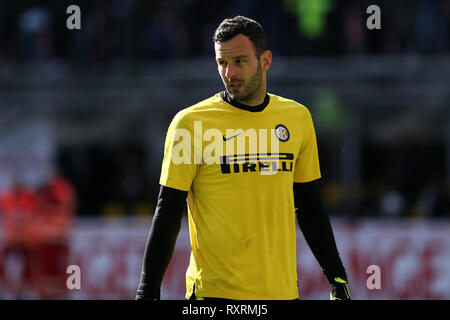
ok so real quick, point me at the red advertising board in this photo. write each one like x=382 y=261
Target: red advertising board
x=383 y=259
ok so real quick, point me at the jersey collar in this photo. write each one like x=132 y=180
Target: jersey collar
x=226 y=97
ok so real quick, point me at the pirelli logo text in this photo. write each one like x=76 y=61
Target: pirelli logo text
x=268 y=163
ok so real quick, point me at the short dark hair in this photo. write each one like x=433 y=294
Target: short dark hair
x=231 y=27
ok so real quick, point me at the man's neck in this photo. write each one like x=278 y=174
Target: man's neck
x=253 y=108
x=255 y=101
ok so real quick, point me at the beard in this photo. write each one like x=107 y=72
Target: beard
x=248 y=89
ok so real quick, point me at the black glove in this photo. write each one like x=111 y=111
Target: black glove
x=339 y=290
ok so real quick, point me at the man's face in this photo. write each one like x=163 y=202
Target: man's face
x=241 y=71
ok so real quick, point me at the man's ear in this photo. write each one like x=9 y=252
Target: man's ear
x=266 y=60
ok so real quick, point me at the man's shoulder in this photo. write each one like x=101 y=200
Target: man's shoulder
x=205 y=105
x=289 y=104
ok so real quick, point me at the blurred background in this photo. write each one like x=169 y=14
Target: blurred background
x=83 y=115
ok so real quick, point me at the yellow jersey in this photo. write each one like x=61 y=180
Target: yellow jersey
x=239 y=167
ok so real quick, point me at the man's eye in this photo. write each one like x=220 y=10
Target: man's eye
x=222 y=63
x=240 y=61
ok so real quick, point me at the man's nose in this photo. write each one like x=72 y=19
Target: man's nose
x=231 y=71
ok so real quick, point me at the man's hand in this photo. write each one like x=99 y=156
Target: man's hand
x=340 y=290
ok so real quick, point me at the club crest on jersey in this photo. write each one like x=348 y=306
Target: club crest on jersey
x=282 y=133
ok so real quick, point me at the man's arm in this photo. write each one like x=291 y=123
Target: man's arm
x=318 y=233
x=164 y=231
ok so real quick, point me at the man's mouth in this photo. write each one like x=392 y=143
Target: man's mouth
x=235 y=85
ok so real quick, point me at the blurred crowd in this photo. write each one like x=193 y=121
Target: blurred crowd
x=117 y=181
x=34 y=238
x=113 y=181
x=393 y=185
x=124 y=31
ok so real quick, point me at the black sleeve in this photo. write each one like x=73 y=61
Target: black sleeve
x=316 y=228
x=163 y=234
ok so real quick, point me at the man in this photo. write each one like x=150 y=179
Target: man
x=18 y=204
x=241 y=206
x=54 y=215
